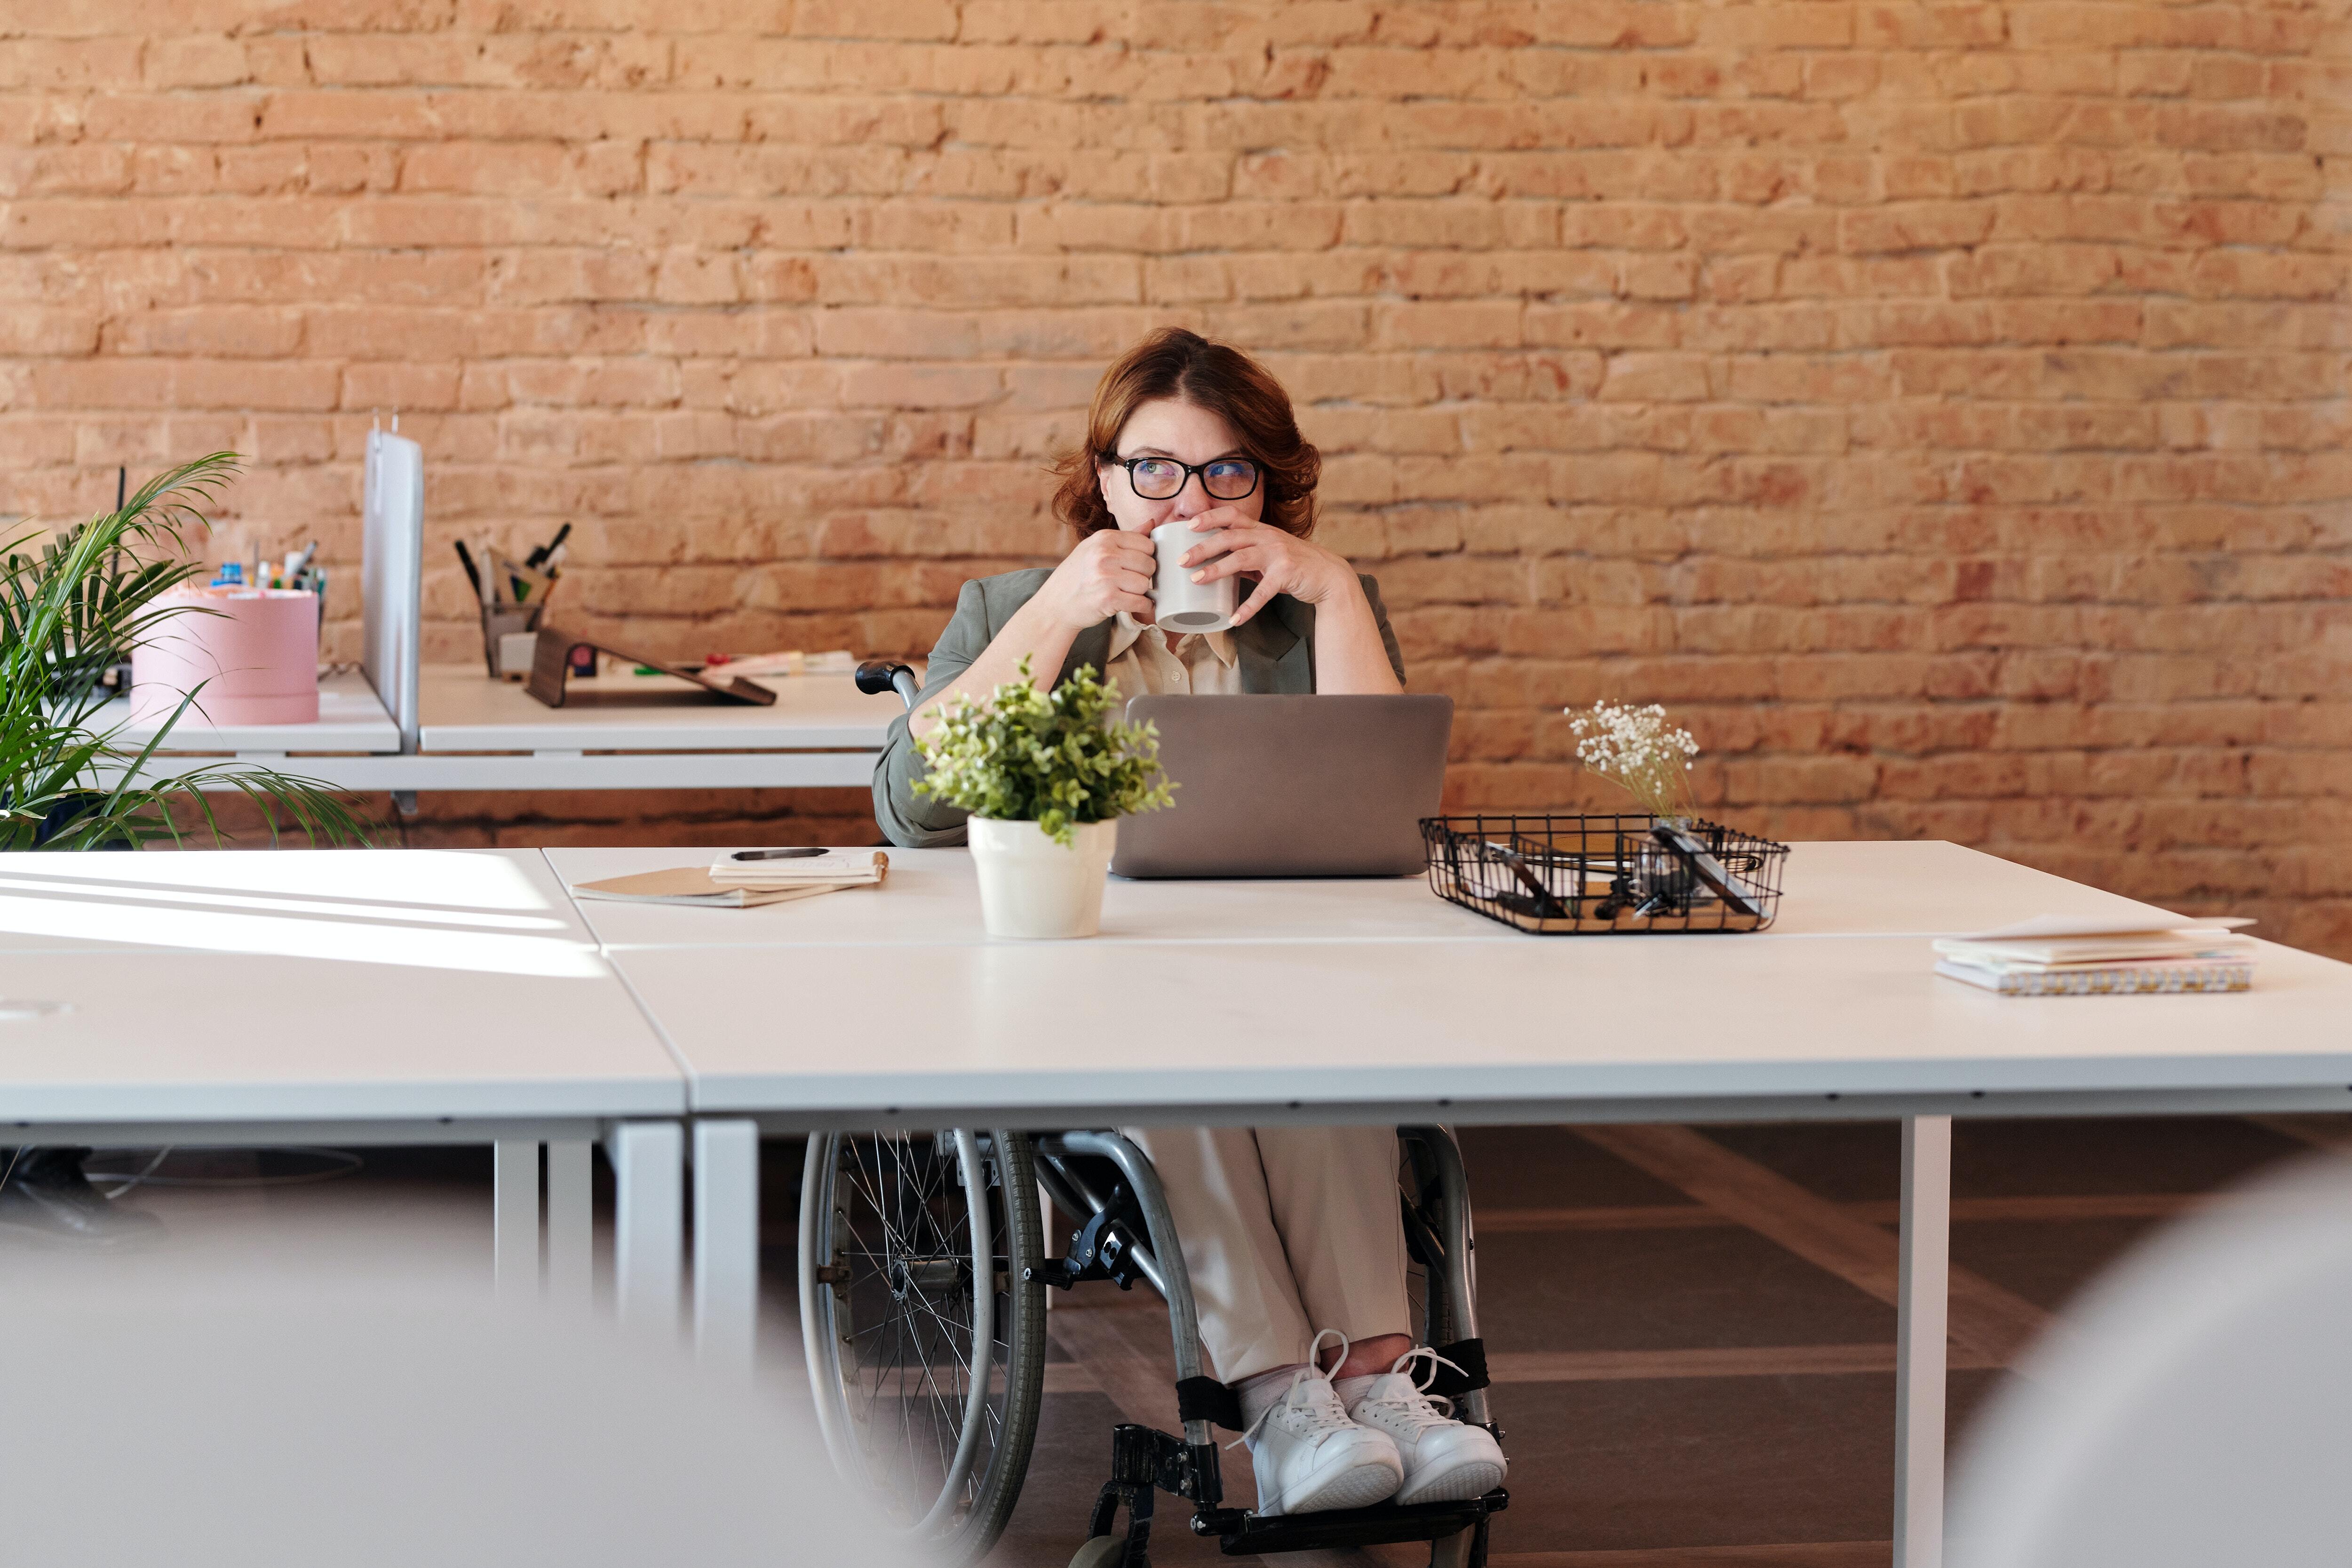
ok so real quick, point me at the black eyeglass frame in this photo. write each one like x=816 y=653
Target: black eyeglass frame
x=1191 y=470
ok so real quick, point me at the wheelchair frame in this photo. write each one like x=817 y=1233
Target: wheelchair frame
x=1145 y=1461
x=1128 y=1233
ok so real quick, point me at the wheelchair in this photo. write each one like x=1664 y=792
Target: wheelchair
x=922 y=1293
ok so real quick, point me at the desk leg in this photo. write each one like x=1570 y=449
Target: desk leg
x=726 y=1241
x=571 y=1224
x=648 y=1221
x=1923 y=1287
x=514 y=1210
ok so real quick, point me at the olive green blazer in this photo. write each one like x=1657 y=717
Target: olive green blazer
x=1274 y=652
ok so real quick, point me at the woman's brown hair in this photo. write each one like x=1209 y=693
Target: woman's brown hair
x=1188 y=368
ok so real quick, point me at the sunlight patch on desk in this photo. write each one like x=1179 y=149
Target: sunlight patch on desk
x=353 y=909
x=349 y=941
x=436 y=879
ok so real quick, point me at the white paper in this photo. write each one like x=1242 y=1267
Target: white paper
x=2108 y=925
x=2097 y=952
x=832 y=866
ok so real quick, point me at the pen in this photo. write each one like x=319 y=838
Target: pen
x=776 y=854
x=302 y=562
x=473 y=573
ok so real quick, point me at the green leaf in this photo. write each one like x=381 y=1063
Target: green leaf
x=1056 y=759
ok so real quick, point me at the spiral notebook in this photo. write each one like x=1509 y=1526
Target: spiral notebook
x=2055 y=955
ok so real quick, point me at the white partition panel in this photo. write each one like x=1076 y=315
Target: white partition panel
x=391 y=573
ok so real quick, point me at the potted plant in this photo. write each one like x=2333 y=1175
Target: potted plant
x=1045 y=777
x=71 y=611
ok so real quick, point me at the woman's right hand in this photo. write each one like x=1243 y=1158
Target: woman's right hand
x=1110 y=571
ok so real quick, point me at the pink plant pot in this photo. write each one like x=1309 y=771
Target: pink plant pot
x=256 y=659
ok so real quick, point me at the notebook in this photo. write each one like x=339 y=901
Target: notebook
x=2056 y=956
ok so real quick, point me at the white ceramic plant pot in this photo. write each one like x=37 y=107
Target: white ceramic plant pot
x=1032 y=887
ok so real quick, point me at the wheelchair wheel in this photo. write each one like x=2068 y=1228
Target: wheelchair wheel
x=925 y=1325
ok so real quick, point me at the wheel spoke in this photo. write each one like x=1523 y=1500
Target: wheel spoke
x=925 y=1390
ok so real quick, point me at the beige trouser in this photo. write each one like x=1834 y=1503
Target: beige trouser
x=1286 y=1230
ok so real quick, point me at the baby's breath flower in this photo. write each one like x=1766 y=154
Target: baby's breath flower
x=1638 y=750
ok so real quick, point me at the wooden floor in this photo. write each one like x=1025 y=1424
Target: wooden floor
x=1692 y=1330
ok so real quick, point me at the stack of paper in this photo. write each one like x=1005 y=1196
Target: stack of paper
x=2058 y=955
x=745 y=884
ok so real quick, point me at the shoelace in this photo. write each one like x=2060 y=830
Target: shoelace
x=1424 y=1410
x=1323 y=1419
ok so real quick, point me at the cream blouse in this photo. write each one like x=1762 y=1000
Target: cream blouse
x=1202 y=664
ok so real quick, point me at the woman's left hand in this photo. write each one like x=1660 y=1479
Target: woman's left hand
x=1233 y=545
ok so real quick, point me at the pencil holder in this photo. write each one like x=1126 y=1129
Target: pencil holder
x=1560 y=875
x=504 y=621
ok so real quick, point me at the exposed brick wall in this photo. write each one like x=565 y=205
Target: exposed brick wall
x=1939 y=405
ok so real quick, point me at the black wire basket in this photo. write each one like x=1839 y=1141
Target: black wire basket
x=1562 y=876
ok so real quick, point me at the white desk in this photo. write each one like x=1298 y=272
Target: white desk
x=932 y=897
x=1377 y=1002
x=614 y=732
x=347 y=997
x=352 y=721
x=629 y=731
x=1548 y=1030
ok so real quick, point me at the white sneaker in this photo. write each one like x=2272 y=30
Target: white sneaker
x=1309 y=1458
x=1445 y=1460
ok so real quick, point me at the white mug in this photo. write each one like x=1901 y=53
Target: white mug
x=1181 y=605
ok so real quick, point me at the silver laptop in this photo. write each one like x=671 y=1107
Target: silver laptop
x=1289 y=786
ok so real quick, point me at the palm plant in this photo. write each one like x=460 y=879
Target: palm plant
x=68 y=613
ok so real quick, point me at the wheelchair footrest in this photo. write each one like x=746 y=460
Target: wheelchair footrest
x=1243 y=1534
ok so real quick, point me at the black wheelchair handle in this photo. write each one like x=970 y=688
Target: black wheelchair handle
x=877 y=675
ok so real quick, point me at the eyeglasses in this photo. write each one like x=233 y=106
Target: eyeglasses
x=1164 y=479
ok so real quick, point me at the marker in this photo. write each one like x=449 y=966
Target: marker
x=537 y=557
x=473 y=573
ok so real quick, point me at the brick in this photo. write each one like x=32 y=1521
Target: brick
x=1916 y=226
x=851 y=20
x=259 y=333
x=1655 y=377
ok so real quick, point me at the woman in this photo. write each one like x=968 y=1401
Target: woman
x=1291 y=1234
